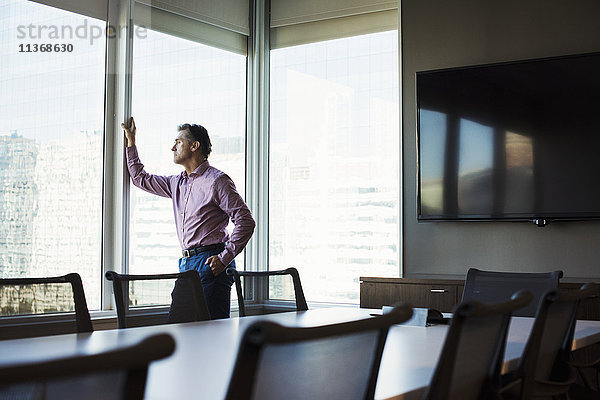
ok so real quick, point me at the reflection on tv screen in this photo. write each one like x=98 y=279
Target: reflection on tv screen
x=510 y=141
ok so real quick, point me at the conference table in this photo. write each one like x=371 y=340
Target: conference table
x=205 y=351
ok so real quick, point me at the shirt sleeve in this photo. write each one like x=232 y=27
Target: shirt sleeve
x=230 y=201
x=155 y=184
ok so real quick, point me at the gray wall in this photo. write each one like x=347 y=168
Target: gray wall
x=450 y=33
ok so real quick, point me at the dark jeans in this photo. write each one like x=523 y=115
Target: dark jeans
x=217 y=289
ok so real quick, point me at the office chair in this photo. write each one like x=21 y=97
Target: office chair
x=50 y=295
x=188 y=302
x=494 y=287
x=339 y=361
x=587 y=367
x=255 y=281
x=115 y=374
x=471 y=360
x=543 y=369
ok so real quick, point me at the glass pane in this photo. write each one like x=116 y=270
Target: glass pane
x=281 y=287
x=36 y=299
x=178 y=81
x=333 y=178
x=150 y=293
x=51 y=143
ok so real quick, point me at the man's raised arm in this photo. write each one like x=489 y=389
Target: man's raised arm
x=155 y=184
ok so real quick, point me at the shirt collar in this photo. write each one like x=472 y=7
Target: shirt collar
x=199 y=171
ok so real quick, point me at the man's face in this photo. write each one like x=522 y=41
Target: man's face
x=182 y=151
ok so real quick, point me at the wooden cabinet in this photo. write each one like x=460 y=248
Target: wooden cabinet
x=429 y=293
x=442 y=294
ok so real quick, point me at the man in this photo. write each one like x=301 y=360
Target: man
x=204 y=199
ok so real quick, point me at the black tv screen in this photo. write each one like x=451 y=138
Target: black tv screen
x=511 y=141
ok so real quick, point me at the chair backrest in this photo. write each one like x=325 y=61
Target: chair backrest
x=188 y=301
x=115 y=374
x=259 y=281
x=470 y=363
x=339 y=361
x=549 y=345
x=50 y=295
x=496 y=287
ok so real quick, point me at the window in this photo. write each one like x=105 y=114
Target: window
x=334 y=154
x=333 y=135
x=179 y=81
x=51 y=143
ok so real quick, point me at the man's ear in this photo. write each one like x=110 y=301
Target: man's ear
x=195 y=145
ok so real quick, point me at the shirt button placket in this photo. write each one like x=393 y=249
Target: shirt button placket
x=187 y=197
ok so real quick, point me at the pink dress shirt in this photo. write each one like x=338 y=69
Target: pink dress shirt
x=203 y=203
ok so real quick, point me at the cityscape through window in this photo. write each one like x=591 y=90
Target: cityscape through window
x=51 y=146
x=333 y=163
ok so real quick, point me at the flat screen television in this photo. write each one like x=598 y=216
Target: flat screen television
x=510 y=141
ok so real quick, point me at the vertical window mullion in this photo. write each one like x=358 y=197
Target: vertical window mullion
x=116 y=180
x=258 y=137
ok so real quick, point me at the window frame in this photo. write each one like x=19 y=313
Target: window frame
x=118 y=186
x=117 y=99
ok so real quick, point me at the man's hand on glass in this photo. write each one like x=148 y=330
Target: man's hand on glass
x=129 y=129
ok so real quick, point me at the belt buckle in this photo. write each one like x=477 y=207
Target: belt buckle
x=186 y=253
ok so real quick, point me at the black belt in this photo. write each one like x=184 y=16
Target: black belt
x=201 y=249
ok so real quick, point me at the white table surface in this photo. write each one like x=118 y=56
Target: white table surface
x=203 y=360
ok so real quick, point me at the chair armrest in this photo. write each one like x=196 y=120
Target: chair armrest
x=510 y=385
x=553 y=388
x=586 y=364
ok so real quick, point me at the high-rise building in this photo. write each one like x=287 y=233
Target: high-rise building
x=18 y=203
x=50 y=197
